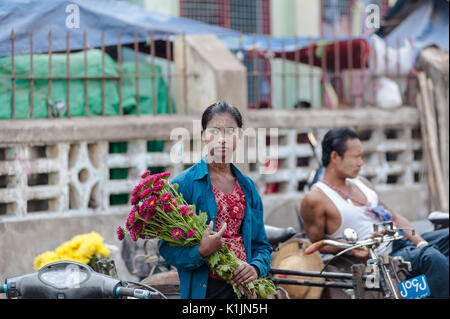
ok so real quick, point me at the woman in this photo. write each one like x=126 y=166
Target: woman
x=234 y=208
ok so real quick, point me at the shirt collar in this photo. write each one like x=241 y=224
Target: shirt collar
x=202 y=170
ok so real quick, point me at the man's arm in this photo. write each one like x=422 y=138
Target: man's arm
x=399 y=220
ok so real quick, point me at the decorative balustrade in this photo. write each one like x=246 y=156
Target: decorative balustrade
x=90 y=166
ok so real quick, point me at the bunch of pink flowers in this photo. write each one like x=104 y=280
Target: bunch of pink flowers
x=159 y=211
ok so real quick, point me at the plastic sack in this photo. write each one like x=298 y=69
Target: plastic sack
x=387 y=93
x=384 y=60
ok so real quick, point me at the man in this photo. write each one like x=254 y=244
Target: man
x=345 y=200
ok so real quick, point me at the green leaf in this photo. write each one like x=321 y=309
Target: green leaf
x=262 y=291
x=202 y=218
x=224 y=268
x=214 y=259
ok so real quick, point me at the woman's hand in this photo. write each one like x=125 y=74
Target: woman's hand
x=211 y=242
x=244 y=274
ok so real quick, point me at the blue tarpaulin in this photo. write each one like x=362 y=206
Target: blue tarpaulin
x=426 y=23
x=112 y=17
x=95 y=17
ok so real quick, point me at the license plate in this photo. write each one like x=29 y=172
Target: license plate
x=414 y=288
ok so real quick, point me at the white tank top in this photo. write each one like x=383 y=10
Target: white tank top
x=358 y=218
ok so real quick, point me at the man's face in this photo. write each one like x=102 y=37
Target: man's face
x=350 y=164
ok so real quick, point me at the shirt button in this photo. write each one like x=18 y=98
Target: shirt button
x=204 y=286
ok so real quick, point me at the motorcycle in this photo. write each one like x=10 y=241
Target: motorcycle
x=73 y=280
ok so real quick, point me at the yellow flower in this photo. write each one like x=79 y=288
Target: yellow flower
x=80 y=248
x=44 y=259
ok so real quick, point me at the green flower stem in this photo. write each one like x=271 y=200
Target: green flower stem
x=224 y=263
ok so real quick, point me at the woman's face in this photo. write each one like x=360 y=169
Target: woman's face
x=220 y=136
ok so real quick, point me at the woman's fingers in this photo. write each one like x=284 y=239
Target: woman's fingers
x=243 y=274
x=222 y=230
x=238 y=273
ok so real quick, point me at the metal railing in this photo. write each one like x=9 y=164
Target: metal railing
x=155 y=49
x=341 y=65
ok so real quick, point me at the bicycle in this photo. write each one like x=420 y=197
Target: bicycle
x=380 y=274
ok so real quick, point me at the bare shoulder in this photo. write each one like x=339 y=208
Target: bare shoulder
x=312 y=200
x=314 y=196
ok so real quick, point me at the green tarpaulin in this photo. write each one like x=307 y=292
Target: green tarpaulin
x=41 y=99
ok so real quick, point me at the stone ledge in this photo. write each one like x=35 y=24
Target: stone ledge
x=115 y=128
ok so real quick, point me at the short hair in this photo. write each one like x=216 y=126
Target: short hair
x=221 y=107
x=335 y=140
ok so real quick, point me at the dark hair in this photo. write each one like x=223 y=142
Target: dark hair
x=335 y=140
x=221 y=107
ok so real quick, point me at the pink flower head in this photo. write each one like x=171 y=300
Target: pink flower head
x=150 y=213
x=147 y=181
x=134 y=200
x=167 y=208
x=183 y=210
x=166 y=197
x=146 y=173
x=141 y=210
x=177 y=233
x=162 y=175
x=131 y=217
x=133 y=235
x=190 y=233
x=158 y=185
x=191 y=213
x=150 y=202
x=137 y=189
x=120 y=233
x=145 y=192
x=138 y=226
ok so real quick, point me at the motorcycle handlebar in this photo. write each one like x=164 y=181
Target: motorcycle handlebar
x=71 y=280
x=130 y=292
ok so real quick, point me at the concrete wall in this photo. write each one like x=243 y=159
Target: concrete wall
x=219 y=75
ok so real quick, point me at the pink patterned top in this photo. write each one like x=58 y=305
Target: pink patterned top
x=230 y=210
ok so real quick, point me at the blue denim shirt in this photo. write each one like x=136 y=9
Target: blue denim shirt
x=195 y=186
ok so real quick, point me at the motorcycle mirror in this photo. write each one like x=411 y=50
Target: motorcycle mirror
x=312 y=139
x=350 y=235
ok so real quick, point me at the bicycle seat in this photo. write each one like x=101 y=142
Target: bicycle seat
x=276 y=235
x=438 y=218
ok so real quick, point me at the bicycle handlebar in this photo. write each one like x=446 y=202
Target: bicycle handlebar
x=378 y=238
x=326 y=242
